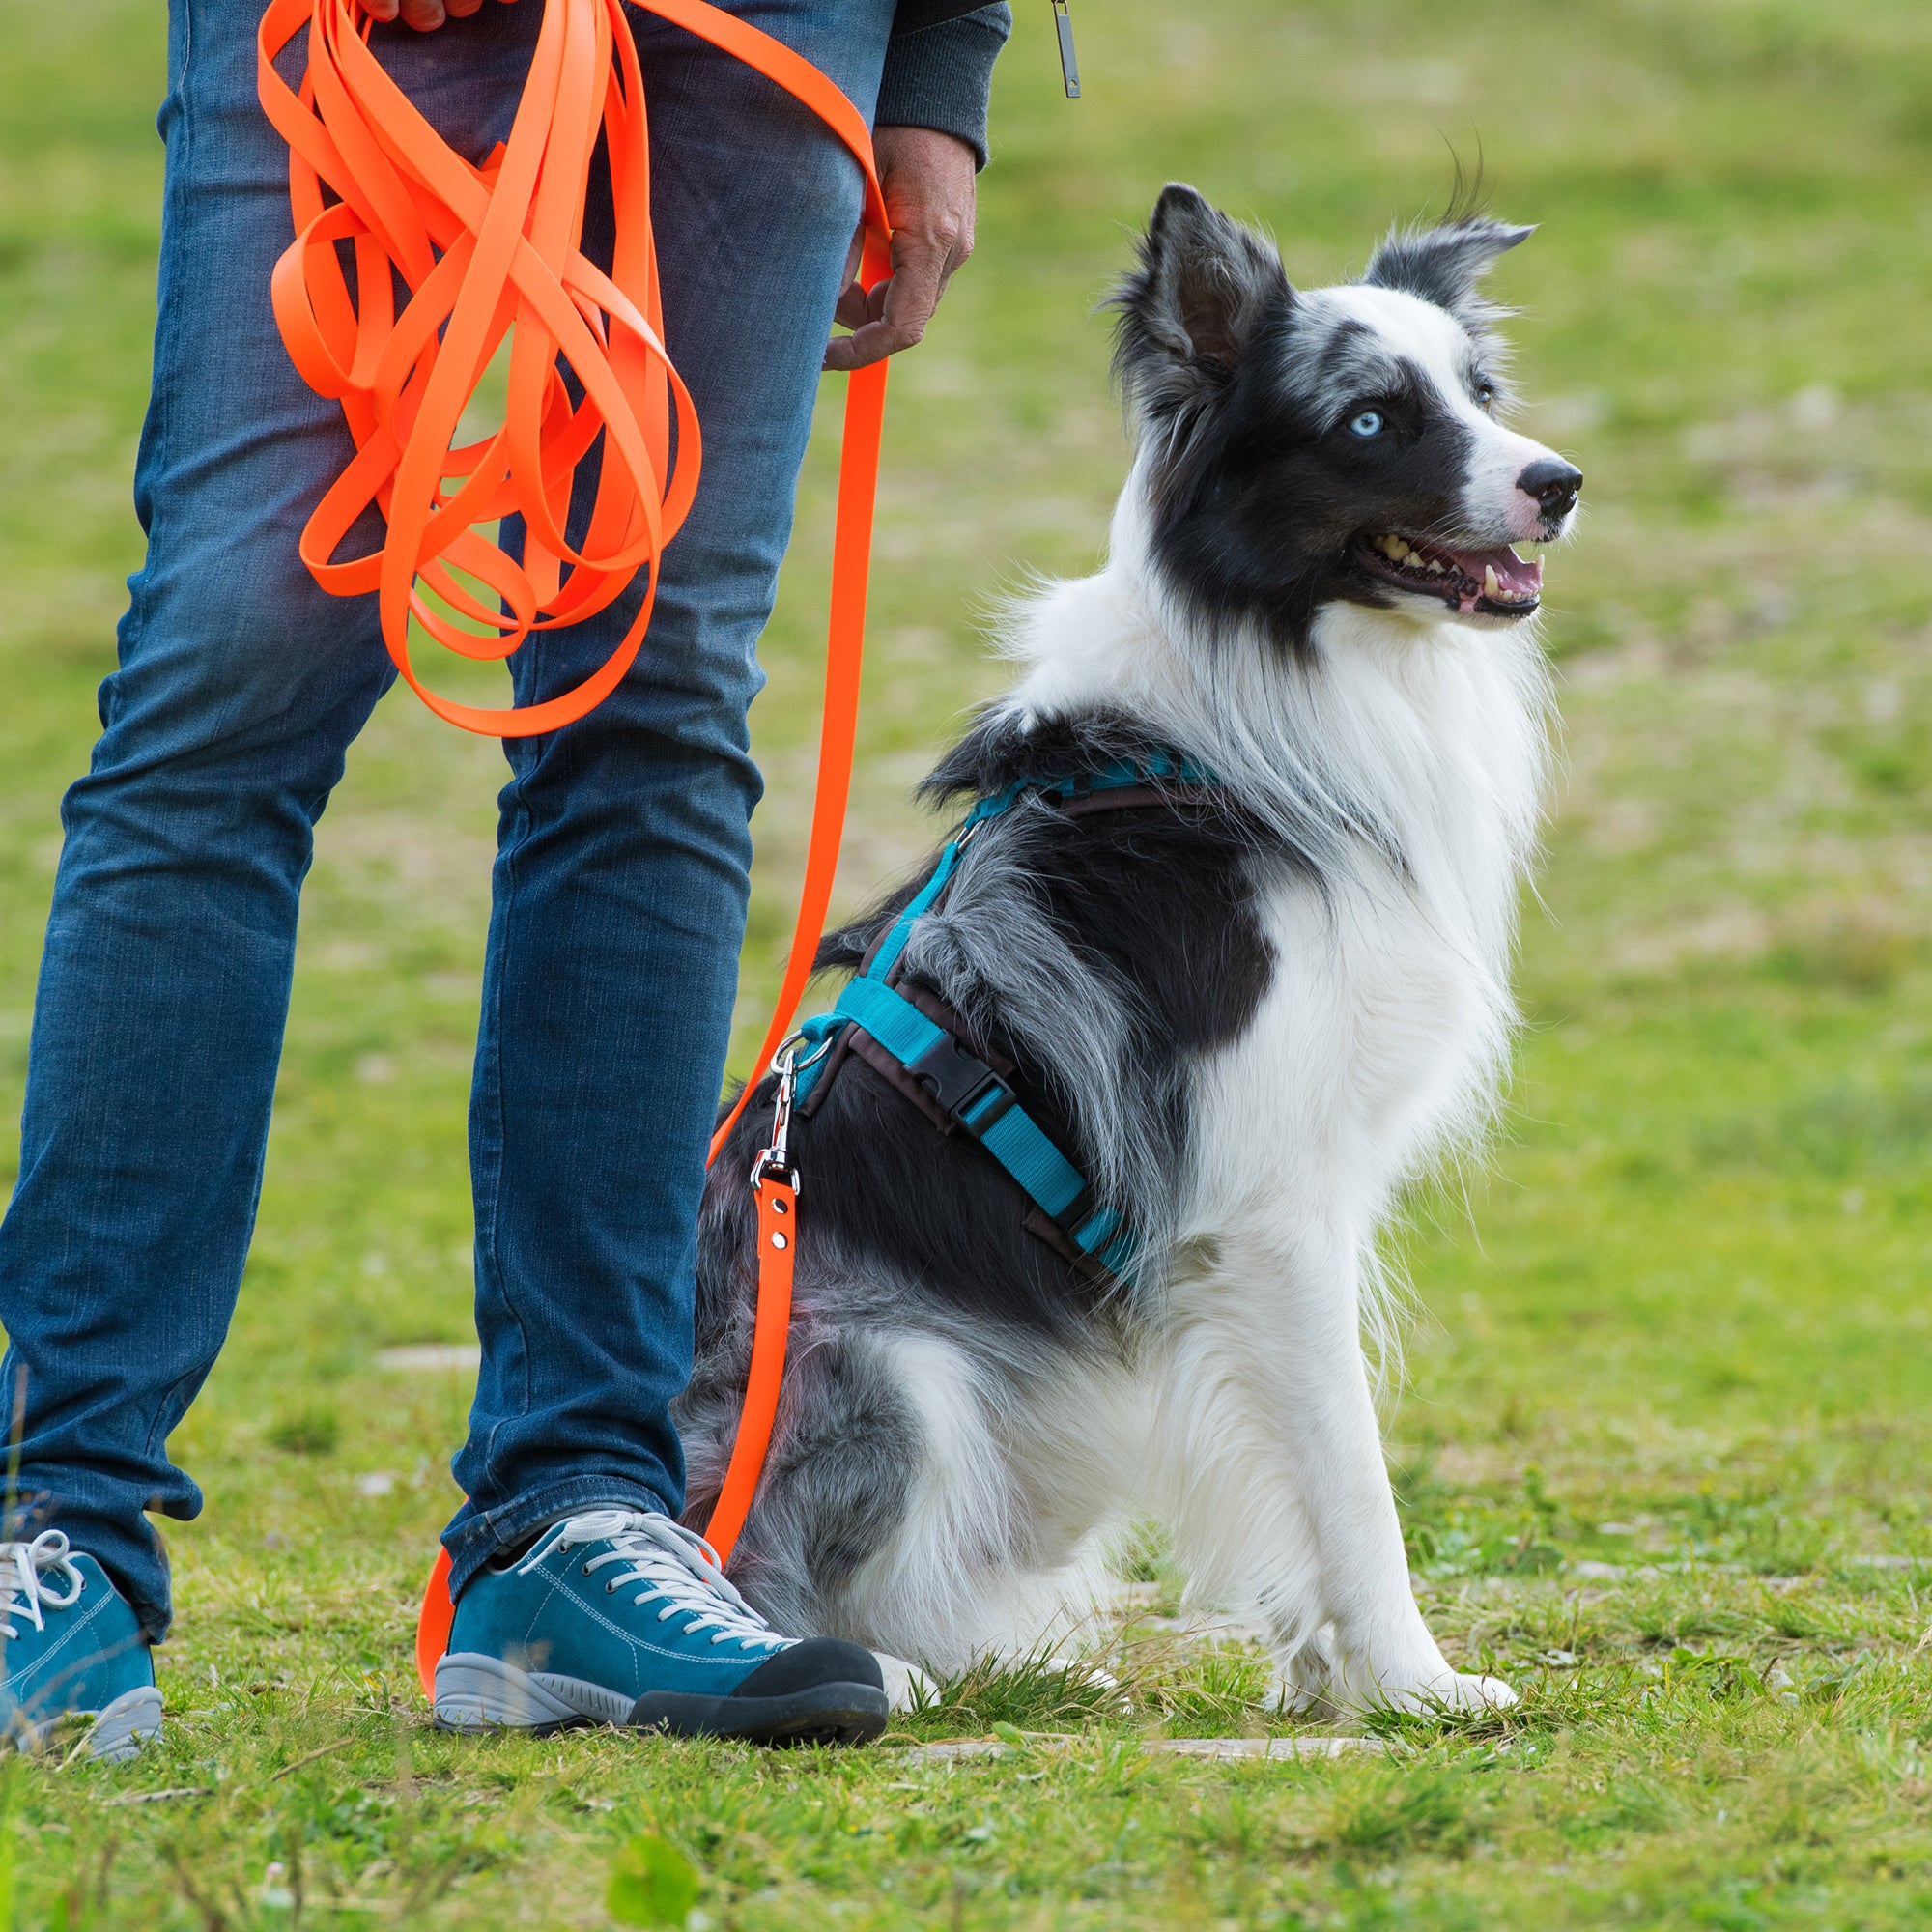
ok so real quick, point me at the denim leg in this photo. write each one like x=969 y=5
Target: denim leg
x=623 y=848
x=622 y=884
x=165 y=983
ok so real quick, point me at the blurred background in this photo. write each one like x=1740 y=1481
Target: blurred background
x=1687 y=1297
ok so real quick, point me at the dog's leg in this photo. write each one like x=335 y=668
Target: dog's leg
x=890 y=1515
x=1295 y=1466
x=1000 y=1552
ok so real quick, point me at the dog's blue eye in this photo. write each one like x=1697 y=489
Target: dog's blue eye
x=1368 y=423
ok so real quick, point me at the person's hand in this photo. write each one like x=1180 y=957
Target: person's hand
x=421 y=14
x=927 y=179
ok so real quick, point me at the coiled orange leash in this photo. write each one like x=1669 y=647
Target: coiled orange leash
x=489 y=252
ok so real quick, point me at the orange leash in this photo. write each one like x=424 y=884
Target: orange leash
x=487 y=253
x=492 y=252
x=777 y=1197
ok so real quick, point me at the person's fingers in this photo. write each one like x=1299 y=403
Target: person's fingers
x=872 y=338
x=840 y=355
x=858 y=310
x=871 y=342
x=423 y=14
x=899 y=308
x=850 y=309
x=920 y=266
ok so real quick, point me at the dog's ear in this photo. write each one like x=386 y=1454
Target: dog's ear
x=1444 y=265
x=1189 y=311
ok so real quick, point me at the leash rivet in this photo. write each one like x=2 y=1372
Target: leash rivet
x=778 y=1239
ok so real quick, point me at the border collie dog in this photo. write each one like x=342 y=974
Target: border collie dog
x=1249 y=1010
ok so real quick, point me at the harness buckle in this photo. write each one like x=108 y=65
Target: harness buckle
x=960 y=1081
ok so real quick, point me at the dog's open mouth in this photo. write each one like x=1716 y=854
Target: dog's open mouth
x=1497 y=581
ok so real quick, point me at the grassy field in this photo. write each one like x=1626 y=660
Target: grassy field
x=1663 y=1448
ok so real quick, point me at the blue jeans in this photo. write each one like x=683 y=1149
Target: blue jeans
x=623 y=850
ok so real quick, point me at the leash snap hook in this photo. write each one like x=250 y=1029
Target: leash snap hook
x=773 y=1158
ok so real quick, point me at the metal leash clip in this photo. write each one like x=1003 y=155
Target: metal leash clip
x=775 y=1156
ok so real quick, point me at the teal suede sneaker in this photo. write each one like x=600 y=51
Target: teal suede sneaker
x=618 y=1617
x=71 y=1649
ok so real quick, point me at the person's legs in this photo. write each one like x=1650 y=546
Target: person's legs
x=165 y=980
x=622 y=876
x=622 y=880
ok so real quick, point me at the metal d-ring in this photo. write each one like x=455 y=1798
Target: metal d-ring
x=787 y=1054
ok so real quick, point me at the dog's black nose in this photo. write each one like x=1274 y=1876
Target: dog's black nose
x=1554 y=484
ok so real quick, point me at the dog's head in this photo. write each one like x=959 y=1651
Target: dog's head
x=1299 y=449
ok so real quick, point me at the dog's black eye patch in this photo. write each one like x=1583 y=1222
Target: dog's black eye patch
x=1399 y=413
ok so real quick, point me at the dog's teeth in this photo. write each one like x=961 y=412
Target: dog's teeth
x=1435 y=564
x=1491 y=586
x=1398 y=550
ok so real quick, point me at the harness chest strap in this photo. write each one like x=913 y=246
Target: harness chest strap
x=986 y=1107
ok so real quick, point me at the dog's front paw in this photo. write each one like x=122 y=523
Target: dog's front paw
x=1452 y=1693
x=1318 y=1682
x=906 y=1683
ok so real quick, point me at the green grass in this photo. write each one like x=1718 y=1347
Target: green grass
x=1671 y=1380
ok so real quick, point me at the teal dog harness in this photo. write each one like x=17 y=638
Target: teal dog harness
x=966 y=1091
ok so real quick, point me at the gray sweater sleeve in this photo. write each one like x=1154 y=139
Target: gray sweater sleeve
x=940 y=76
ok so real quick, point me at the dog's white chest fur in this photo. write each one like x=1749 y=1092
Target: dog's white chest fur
x=1388 y=1016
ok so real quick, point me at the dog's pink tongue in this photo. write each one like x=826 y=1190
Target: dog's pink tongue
x=1514 y=574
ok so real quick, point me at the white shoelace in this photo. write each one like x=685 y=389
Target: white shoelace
x=671 y=1562
x=26 y=1571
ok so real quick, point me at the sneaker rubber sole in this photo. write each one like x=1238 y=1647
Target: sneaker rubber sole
x=119 y=1729
x=477 y=1693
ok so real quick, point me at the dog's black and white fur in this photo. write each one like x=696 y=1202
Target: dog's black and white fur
x=1250 y=1016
